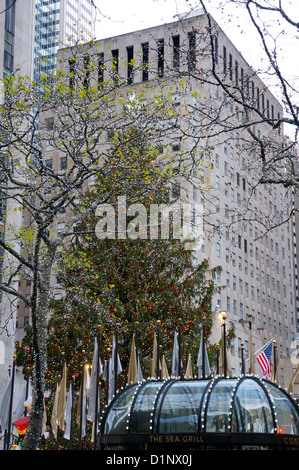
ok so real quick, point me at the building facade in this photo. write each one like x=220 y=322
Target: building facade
x=247 y=230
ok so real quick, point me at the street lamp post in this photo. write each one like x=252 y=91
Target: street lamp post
x=242 y=359
x=158 y=350
x=223 y=316
x=217 y=359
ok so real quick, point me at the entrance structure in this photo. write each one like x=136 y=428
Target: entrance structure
x=245 y=412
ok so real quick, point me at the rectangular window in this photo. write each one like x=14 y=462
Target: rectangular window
x=130 y=70
x=115 y=64
x=224 y=59
x=63 y=163
x=10 y=16
x=176 y=51
x=50 y=124
x=176 y=190
x=236 y=73
x=191 y=51
x=86 y=71
x=72 y=68
x=145 y=61
x=239 y=241
x=100 y=68
x=49 y=163
x=230 y=67
x=161 y=58
x=258 y=98
x=8 y=51
x=216 y=49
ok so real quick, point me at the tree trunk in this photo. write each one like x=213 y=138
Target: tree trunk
x=40 y=305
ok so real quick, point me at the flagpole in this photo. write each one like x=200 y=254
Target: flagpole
x=203 y=352
x=81 y=406
x=251 y=365
x=72 y=411
x=115 y=361
x=107 y=378
x=26 y=395
x=137 y=340
x=10 y=402
x=275 y=359
x=57 y=431
x=97 y=392
x=137 y=336
x=179 y=349
x=158 y=350
x=217 y=359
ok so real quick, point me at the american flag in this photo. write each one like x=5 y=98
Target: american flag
x=264 y=360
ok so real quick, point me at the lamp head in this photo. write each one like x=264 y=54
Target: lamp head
x=223 y=315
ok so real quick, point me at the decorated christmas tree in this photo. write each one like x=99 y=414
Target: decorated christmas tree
x=132 y=283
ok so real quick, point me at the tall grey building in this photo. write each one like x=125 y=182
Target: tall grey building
x=257 y=260
x=16 y=56
x=31 y=32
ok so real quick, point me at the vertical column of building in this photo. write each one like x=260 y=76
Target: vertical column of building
x=16 y=57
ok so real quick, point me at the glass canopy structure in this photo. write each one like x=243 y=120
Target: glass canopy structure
x=198 y=413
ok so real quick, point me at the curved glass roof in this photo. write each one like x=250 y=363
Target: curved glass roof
x=246 y=404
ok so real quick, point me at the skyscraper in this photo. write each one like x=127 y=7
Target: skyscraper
x=59 y=23
x=16 y=56
x=31 y=32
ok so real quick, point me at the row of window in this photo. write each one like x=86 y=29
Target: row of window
x=266 y=260
x=234 y=70
x=145 y=59
x=236 y=74
x=48 y=162
x=237 y=310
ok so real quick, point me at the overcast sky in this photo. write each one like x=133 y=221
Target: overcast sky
x=122 y=16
